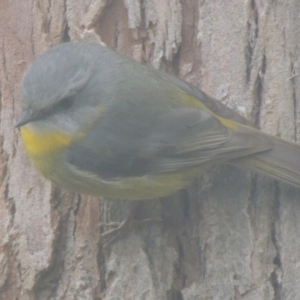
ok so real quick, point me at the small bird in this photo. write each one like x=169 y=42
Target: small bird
x=98 y=123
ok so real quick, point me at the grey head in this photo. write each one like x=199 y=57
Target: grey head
x=60 y=87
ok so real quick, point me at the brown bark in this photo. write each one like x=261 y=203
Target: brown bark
x=230 y=235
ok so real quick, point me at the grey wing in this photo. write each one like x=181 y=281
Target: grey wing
x=183 y=138
x=195 y=137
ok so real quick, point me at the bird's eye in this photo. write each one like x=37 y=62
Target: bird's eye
x=66 y=103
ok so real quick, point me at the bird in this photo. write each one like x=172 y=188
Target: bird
x=99 y=123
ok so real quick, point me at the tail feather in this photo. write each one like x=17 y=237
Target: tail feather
x=282 y=162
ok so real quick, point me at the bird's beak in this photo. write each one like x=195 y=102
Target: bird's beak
x=27 y=116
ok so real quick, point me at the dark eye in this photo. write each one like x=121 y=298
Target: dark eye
x=66 y=103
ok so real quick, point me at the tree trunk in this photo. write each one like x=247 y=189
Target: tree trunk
x=230 y=234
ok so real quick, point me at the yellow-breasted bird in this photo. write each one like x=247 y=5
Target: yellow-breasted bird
x=99 y=123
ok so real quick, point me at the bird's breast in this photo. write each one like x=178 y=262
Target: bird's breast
x=39 y=144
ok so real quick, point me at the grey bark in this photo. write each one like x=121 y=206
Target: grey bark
x=230 y=234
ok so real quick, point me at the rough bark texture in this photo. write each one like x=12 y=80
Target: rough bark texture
x=230 y=235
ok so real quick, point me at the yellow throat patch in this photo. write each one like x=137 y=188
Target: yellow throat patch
x=41 y=143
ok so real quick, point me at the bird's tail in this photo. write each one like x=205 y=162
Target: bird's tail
x=282 y=162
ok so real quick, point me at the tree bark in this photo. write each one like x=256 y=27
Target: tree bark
x=230 y=234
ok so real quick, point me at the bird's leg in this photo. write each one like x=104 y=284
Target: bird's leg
x=113 y=234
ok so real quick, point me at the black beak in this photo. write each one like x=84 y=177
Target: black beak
x=27 y=117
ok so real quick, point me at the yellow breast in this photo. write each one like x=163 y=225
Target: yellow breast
x=41 y=143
